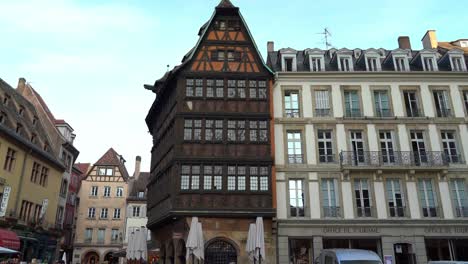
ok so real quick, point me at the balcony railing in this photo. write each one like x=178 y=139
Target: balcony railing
x=353 y=113
x=393 y=158
x=292 y=113
x=295 y=158
x=397 y=211
x=432 y=211
x=330 y=158
x=461 y=211
x=367 y=211
x=444 y=112
x=414 y=113
x=331 y=211
x=383 y=113
x=322 y=112
x=454 y=158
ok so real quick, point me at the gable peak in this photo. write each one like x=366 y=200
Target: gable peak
x=225 y=4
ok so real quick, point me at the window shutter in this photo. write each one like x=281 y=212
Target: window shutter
x=143 y=211
x=129 y=210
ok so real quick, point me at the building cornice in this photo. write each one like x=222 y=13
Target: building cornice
x=372 y=76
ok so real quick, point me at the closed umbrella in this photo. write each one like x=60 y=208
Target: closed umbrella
x=200 y=251
x=259 y=240
x=192 y=242
x=130 y=244
x=142 y=246
x=64 y=257
x=250 y=247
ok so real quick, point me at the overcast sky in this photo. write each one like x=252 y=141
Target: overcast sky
x=90 y=59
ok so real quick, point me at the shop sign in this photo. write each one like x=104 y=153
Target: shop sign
x=446 y=229
x=363 y=229
x=4 y=203
x=388 y=259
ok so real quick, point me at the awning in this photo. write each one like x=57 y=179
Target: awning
x=9 y=239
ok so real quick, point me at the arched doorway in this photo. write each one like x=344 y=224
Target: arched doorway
x=110 y=259
x=91 y=258
x=220 y=252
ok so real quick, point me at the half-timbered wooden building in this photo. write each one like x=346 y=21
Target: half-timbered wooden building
x=212 y=144
x=101 y=214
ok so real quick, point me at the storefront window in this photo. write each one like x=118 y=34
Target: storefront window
x=300 y=251
x=367 y=244
x=447 y=249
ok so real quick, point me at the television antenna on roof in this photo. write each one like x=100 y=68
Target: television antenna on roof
x=326 y=35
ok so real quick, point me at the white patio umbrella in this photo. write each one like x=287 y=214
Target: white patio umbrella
x=259 y=240
x=130 y=246
x=200 y=251
x=193 y=241
x=141 y=246
x=4 y=250
x=250 y=247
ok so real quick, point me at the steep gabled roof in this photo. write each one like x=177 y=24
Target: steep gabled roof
x=139 y=185
x=225 y=4
x=112 y=158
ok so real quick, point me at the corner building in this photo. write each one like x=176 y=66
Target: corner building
x=212 y=154
x=371 y=148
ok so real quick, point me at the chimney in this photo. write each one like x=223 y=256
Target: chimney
x=429 y=41
x=137 y=167
x=21 y=85
x=404 y=42
x=270 y=46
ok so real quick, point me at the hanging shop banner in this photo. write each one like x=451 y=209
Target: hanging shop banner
x=5 y=198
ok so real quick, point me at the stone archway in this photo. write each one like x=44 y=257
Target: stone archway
x=110 y=258
x=91 y=257
x=220 y=251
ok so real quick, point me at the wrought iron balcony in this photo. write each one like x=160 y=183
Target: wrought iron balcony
x=367 y=211
x=383 y=113
x=295 y=158
x=393 y=159
x=329 y=158
x=461 y=211
x=454 y=158
x=353 y=113
x=322 y=112
x=292 y=112
x=331 y=211
x=414 y=113
x=444 y=112
x=398 y=211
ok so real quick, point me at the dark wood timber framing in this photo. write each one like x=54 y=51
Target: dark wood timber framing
x=212 y=117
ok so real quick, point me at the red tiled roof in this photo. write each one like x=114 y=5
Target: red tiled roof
x=83 y=167
x=111 y=157
x=44 y=105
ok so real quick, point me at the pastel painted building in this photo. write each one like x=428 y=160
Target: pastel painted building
x=370 y=150
x=101 y=213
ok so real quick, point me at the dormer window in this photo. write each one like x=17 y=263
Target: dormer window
x=401 y=63
x=46 y=147
x=34 y=121
x=317 y=63
x=457 y=63
x=373 y=63
x=2 y=117
x=6 y=99
x=288 y=60
x=429 y=62
x=19 y=128
x=21 y=111
x=141 y=194
x=345 y=63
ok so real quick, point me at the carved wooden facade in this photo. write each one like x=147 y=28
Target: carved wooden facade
x=211 y=128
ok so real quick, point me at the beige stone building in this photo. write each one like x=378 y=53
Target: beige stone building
x=101 y=213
